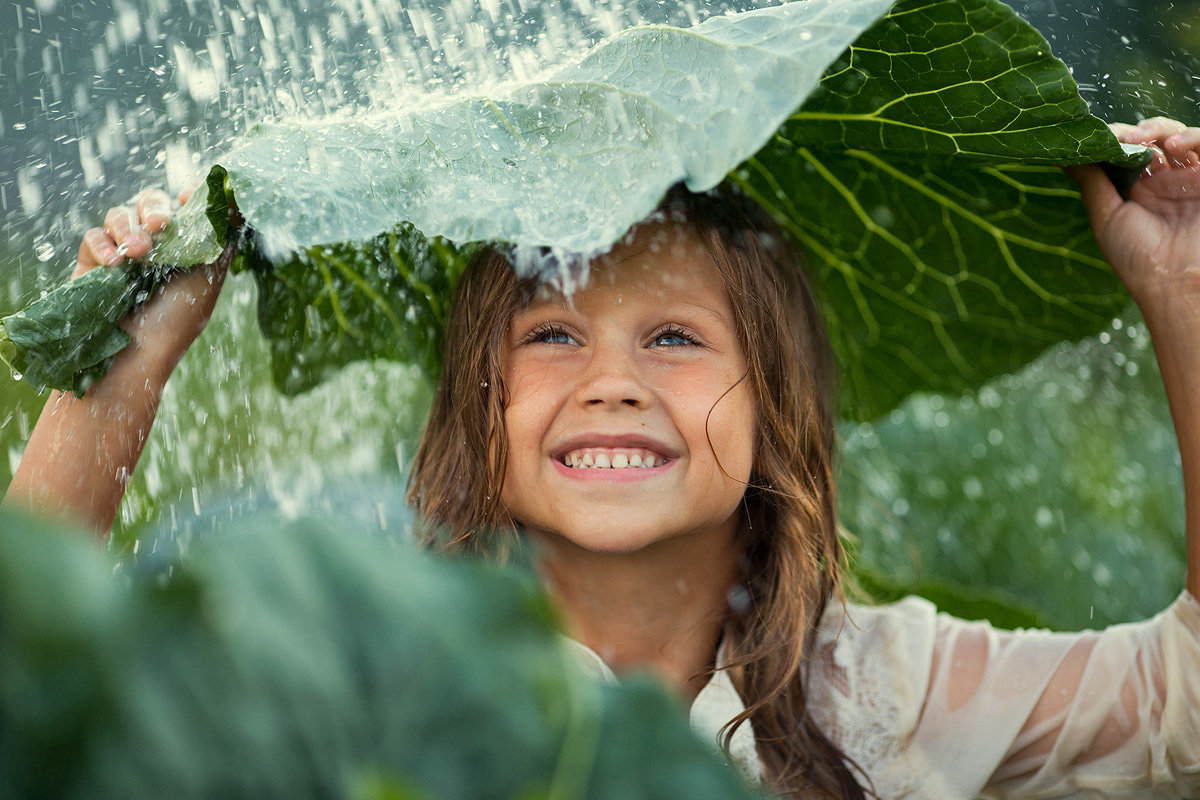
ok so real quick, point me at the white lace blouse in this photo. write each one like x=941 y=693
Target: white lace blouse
x=930 y=706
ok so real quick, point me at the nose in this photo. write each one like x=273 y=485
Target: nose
x=612 y=380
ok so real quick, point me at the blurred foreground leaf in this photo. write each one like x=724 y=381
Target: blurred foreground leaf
x=296 y=660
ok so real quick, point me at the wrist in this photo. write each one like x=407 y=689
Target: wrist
x=143 y=367
x=1162 y=284
x=1171 y=304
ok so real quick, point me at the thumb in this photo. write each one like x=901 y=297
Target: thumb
x=1099 y=194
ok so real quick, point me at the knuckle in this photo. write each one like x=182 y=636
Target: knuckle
x=116 y=217
x=153 y=198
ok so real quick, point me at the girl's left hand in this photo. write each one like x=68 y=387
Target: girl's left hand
x=1152 y=239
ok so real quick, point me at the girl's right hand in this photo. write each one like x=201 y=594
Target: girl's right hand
x=165 y=326
x=83 y=450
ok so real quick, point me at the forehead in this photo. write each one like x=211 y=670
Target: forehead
x=659 y=262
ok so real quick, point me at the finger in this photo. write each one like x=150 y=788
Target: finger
x=1183 y=149
x=187 y=191
x=153 y=209
x=122 y=225
x=1133 y=134
x=97 y=249
x=1158 y=159
x=1161 y=127
x=1130 y=134
x=1120 y=129
x=1099 y=195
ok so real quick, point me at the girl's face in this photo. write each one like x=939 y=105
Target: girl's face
x=641 y=367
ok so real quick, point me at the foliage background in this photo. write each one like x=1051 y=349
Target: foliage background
x=1049 y=497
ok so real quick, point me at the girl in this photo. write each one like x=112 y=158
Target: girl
x=666 y=435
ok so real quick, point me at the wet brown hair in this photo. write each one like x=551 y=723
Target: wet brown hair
x=792 y=555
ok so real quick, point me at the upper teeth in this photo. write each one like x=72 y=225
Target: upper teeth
x=608 y=458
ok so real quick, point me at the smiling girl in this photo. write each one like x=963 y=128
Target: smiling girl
x=666 y=435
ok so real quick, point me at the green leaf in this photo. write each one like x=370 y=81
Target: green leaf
x=965 y=602
x=199 y=231
x=909 y=151
x=297 y=659
x=920 y=178
x=1059 y=482
x=333 y=305
x=570 y=160
x=68 y=339
x=962 y=78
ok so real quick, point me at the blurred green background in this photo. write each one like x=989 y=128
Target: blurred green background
x=1049 y=497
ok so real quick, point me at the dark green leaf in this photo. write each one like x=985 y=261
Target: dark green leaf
x=920 y=178
x=333 y=305
x=292 y=659
x=67 y=339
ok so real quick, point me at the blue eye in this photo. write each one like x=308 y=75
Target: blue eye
x=673 y=337
x=549 y=334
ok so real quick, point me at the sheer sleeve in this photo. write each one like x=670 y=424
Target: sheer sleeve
x=930 y=706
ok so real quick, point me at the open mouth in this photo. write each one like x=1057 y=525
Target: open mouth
x=613 y=458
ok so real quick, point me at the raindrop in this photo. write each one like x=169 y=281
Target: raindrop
x=44 y=250
x=883 y=216
x=29 y=192
x=739 y=600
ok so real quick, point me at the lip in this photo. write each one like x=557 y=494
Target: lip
x=631 y=441
x=626 y=475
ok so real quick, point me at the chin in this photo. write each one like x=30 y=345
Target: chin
x=606 y=542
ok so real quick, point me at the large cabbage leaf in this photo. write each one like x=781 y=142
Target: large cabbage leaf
x=910 y=149
x=303 y=659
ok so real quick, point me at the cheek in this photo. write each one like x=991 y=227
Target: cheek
x=521 y=430
x=732 y=428
x=522 y=448
x=532 y=403
x=744 y=425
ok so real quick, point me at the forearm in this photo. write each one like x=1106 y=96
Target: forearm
x=83 y=451
x=1174 y=326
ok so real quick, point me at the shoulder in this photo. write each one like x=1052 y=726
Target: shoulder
x=852 y=627
x=877 y=655
x=882 y=684
x=868 y=677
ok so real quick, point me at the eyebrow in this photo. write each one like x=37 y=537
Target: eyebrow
x=707 y=311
